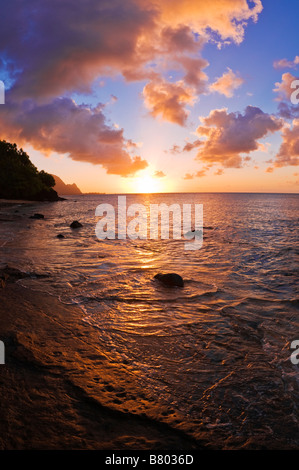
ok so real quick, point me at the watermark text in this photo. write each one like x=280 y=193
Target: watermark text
x=295 y=93
x=2 y=353
x=140 y=222
x=295 y=354
x=2 y=92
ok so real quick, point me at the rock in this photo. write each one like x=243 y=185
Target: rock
x=60 y=235
x=76 y=224
x=170 y=279
x=37 y=216
x=193 y=233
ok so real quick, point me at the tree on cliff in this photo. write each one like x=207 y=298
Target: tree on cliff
x=20 y=179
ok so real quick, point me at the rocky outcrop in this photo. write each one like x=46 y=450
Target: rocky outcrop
x=170 y=279
x=76 y=224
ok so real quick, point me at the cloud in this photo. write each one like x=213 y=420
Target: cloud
x=288 y=154
x=188 y=176
x=178 y=38
x=229 y=135
x=227 y=83
x=168 y=100
x=287 y=110
x=63 y=126
x=285 y=89
x=284 y=63
x=54 y=48
x=159 y=174
x=228 y=18
x=198 y=174
x=188 y=147
x=192 y=145
x=89 y=41
x=107 y=37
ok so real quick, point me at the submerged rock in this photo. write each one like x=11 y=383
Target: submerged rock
x=170 y=279
x=37 y=216
x=76 y=224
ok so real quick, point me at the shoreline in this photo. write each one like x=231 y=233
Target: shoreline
x=63 y=388
x=59 y=393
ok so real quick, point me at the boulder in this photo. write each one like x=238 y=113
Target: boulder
x=37 y=216
x=170 y=279
x=76 y=224
x=60 y=235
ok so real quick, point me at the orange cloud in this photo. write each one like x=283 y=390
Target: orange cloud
x=227 y=17
x=227 y=84
x=188 y=176
x=288 y=153
x=168 y=100
x=70 y=46
x=284 y=88
x=109 y=37
x=77 y=130
x=159 y=174
x=198 y=174
x=229 y=135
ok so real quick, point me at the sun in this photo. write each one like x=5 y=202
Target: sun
x=147 y=184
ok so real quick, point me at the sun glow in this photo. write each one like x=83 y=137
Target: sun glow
x=147 y=184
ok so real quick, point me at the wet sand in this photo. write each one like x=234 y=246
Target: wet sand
x=59 y=392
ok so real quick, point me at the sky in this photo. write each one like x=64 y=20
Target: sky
x=147 y=96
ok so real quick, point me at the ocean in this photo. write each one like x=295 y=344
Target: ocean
x=214 y=355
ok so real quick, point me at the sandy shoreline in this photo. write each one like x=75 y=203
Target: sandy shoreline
x=58 y=389
x=63 y=388
x=58 y=392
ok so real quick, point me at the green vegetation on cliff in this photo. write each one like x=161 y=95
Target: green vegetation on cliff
x=20 y=179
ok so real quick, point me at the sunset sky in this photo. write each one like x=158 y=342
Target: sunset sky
x=137 y=95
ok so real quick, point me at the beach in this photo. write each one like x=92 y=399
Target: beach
x=57 y=392
x=97 y=362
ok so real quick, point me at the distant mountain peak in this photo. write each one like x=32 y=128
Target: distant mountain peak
x=65 y=189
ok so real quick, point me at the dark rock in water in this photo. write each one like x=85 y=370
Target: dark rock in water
x=170 y=279
x=76 y=224
x=60 y=235
x=10 y=274
x=37 y=216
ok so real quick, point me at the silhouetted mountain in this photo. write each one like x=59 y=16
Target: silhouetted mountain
x=20 y=179
x=65 y=189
